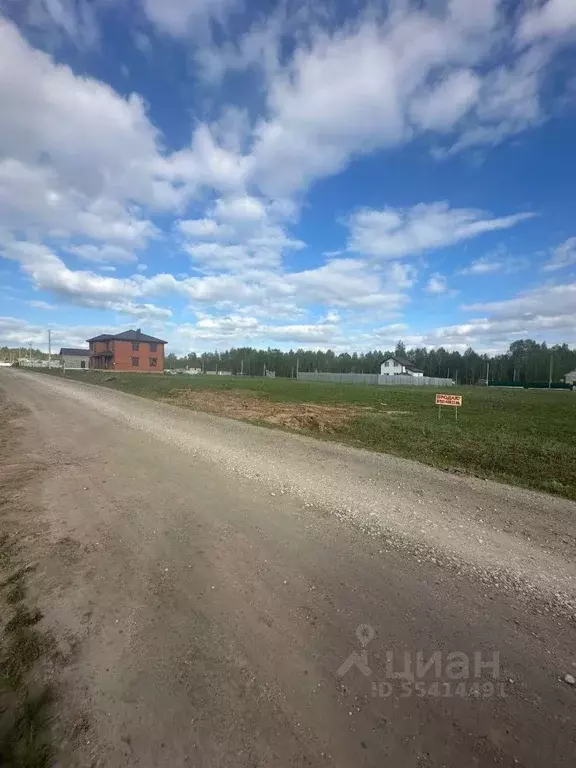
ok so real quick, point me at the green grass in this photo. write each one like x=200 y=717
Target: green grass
x=523 y=437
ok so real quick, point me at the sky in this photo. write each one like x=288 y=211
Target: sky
x=290 y=174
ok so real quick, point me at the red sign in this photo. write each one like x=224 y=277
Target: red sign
x=455 y=400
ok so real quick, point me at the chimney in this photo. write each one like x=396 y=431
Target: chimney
x=138 y=331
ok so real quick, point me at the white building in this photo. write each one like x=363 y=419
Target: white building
x=74 y=358
x=570 y=378
x=399 y=366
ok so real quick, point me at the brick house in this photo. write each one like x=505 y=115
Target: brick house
x=127 y=351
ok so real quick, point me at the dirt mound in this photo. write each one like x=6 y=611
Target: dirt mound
x=251 y=406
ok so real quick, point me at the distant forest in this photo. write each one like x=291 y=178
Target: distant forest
x=525 y=360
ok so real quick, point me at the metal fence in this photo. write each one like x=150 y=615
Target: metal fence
x=415 y=381
x=374 y=378
x=341 y=378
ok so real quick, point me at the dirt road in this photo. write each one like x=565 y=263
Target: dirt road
x=207 y=581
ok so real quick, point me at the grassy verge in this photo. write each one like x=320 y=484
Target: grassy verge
x=523 y=437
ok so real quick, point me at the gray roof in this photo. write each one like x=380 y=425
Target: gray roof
x=405 y=362
x=130 y=335
x=72 y=351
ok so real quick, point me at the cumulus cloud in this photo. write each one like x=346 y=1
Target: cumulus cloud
x=241 y=232
x=378 y=83
x=49 y=273
x=552 y=18
x=397 y=233
x=437 y=284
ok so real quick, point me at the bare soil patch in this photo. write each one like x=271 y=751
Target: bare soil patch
x=24 y=698
x=249 y=406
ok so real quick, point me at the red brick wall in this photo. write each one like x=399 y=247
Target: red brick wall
x=97 y=347
x=123 y=354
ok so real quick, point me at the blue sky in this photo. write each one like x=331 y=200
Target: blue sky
x=324 y=174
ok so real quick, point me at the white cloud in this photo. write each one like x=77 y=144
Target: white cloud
x=396 y=233
x=509 y=101
x=41 y=305
x=547 y=301
x=49 y=273
x=103 y=254
x=552 y=18
x=240 y=209
x=215 y=257
x=564 y=256
x=33 y=199
x=341 y=283
x=441 y=107
x=206 y=163
x=372 y=85
x=74 y=20
x=247 y=232
x=182 y=17
x=436 y=285
x=497 y=260
x=229 y=329
x=200 y=227
x=482 y=266
x=76 y=157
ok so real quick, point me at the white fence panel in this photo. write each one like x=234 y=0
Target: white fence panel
x=374 y=379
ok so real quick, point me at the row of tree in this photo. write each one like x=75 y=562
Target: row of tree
x=525 y=360
x=10 y=354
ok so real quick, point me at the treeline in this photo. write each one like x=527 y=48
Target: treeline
x=10 y=354
x=525 y=360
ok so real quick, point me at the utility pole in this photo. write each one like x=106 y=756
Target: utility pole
x=49 y=348
x=30 y=355
x=488 y=374
x=550 y=372
x=242 y=367
x=297 y=366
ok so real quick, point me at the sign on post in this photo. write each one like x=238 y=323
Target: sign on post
x=451 y=400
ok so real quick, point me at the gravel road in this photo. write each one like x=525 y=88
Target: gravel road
x=228 y=595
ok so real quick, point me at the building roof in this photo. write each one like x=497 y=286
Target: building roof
x=130 y=335
x=72 y=351
x=405 y=362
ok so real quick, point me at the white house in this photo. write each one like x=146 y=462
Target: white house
x=570 y=378
x=74 y=358
x=399 y=366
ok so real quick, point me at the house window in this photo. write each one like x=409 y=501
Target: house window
x=135 y=346
x=153 y=347
x=152 y=361
x=135 y=362
x=387 y=363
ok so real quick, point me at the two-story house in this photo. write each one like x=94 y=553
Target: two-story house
x=399 y=366
x=127 y=351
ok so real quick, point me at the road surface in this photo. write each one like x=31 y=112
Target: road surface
x=227 y=595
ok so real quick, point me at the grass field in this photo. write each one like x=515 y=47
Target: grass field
x=524 y=437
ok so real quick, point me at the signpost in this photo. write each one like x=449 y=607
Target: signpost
x=454 y=401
